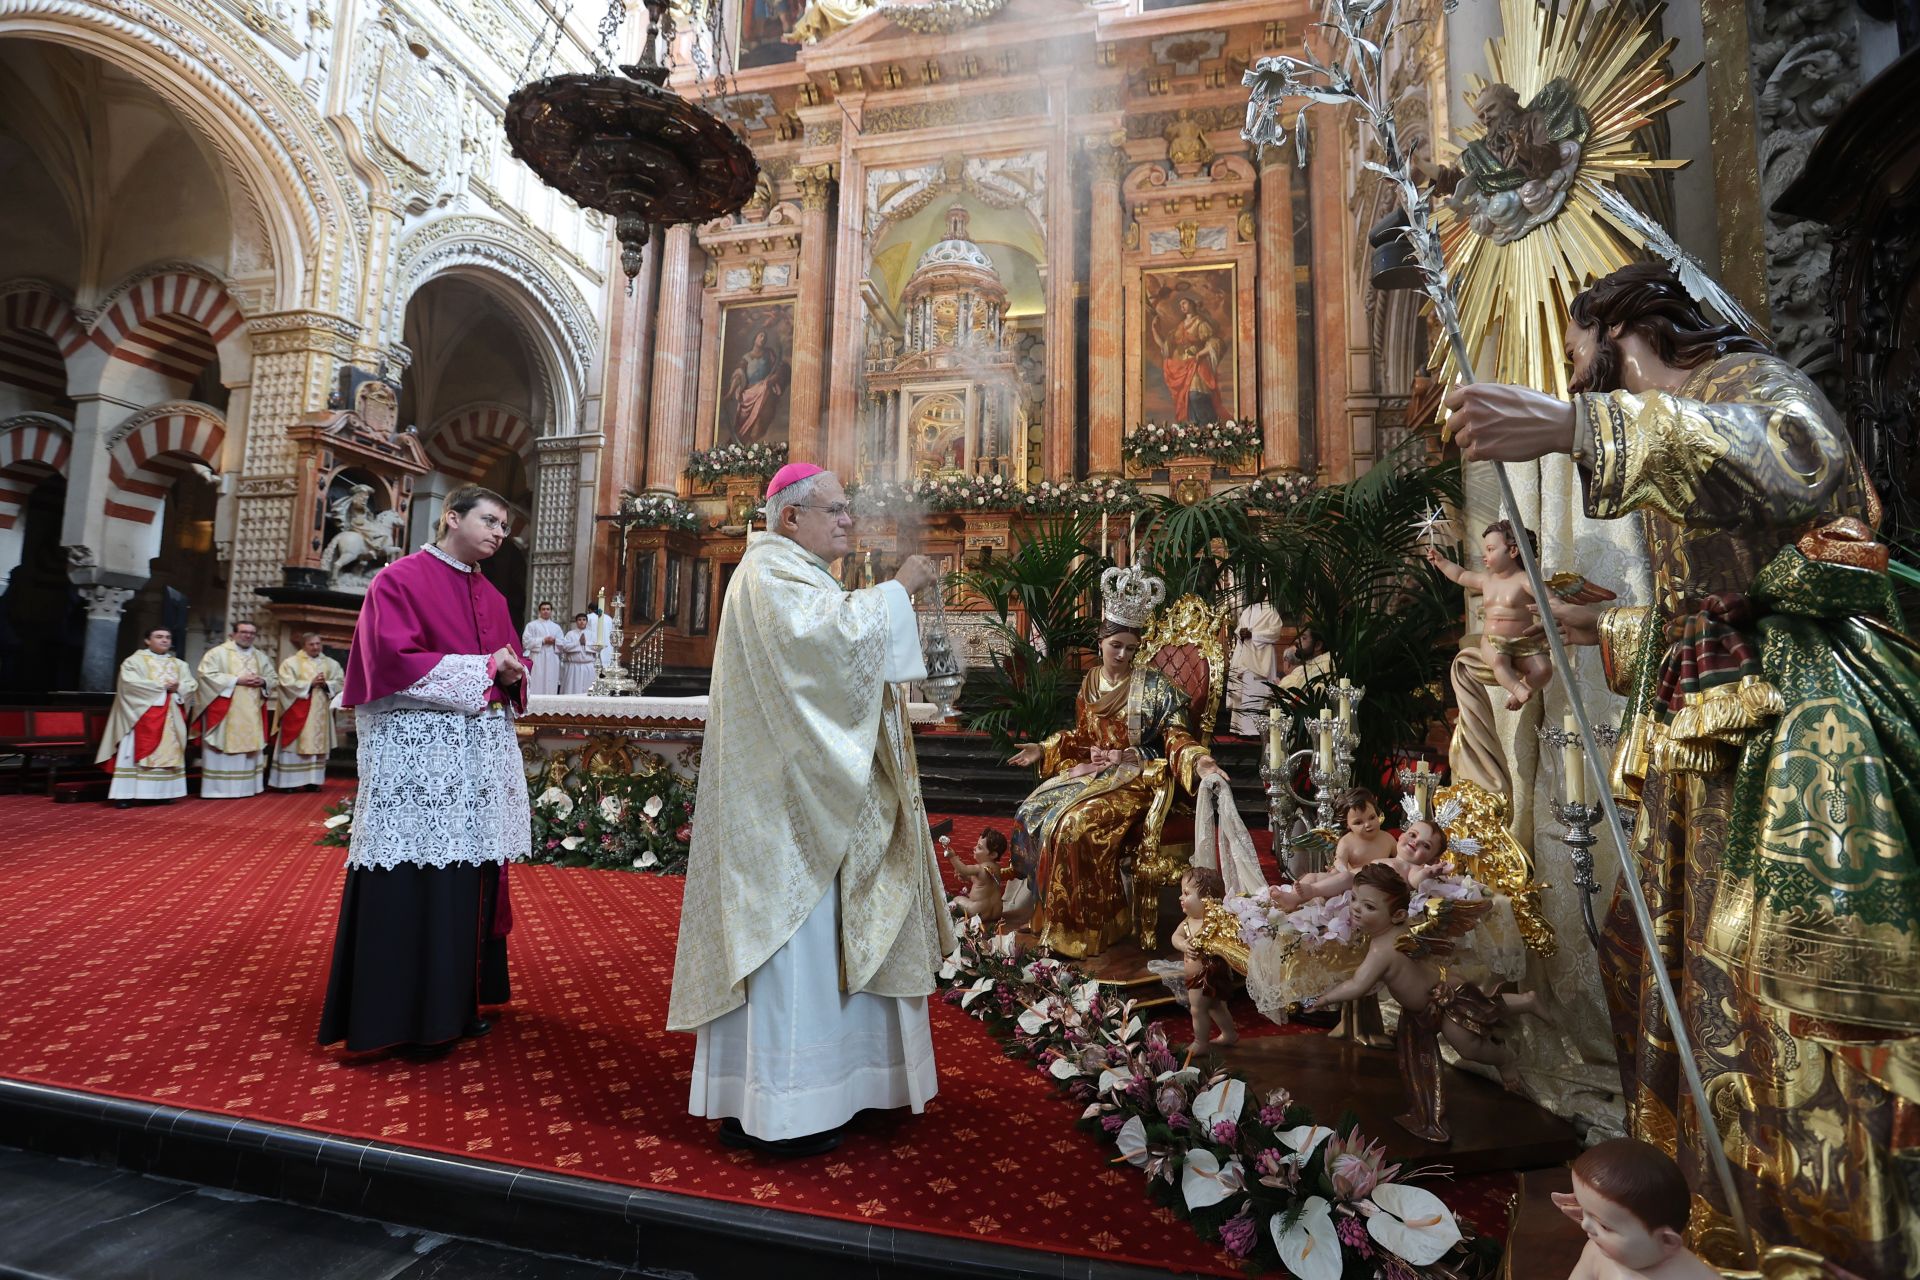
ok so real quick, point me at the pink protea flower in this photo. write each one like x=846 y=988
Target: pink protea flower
x=1239 y=1234
x=1356 y=1166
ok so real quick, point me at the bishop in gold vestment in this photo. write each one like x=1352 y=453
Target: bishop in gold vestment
x=1769 y=744
x=813 y=919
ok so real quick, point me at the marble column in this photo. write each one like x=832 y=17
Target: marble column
x=810 y=314
x=676 y=359
x=842 y=425
x=1063 y=377
x=1278 y=317
x=1106 y=308
x=99 y=653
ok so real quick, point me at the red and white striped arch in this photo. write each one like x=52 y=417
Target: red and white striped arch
x=33 y=446
x=143 y=466
x=171 y=324
x=38 y=332
x=467 y=442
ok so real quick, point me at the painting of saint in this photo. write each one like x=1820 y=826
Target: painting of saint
x=1188 y=364
x=756 y=350
x=763 y=23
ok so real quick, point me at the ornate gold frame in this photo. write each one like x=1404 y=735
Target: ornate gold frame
x=1191 y=620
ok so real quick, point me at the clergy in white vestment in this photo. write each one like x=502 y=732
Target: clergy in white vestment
x=813 y=920
x=235 y=710
x=541 y=643
x=303 y=736
x=1307 y=660
x=1256 y=664
x=145 y=744
x=579 y=660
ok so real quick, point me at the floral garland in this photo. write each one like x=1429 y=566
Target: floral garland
x=618 y=821
x=614 y=821
x=707 y=468
x=994 y=493
x=1155 y=444
x=1259 y=1177
x=1277 y=493
x=1111 y=496
x=660 y=511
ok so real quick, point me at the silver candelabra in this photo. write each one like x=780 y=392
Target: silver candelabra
x=1295 y=852
x=1569 y=786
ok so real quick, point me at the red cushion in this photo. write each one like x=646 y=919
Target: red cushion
x=13 y=724
x=60 y=724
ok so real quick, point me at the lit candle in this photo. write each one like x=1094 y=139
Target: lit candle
x=1326 y=739
x=1276 y=749
x=1423 y=779
x=1574 y=759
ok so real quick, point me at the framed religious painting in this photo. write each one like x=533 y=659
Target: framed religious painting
x=755 y=370
x=1189 y=343
x=643 y=587
x=670 y=606
x=702 y=596
x=763 y=28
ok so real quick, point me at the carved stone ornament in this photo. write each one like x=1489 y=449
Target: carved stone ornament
x=363 y=541
x=1188 y=150
x=408 y=110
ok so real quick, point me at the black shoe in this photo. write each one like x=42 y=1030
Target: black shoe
x=813 y=1144
x=477 y=1027
x=123 y=804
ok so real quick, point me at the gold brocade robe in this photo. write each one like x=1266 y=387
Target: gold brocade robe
x=1079 y=833
x=243 y=729
x=298 y=676
x=1724 y=474
x=142 y=687
x=807 y=778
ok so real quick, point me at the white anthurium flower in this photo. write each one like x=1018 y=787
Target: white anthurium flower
x=1304 y=1140
x=572 y=842
x=1132 y=1141
x=1064 y=1069
x=1034 y=1021
x=1083 y=995
x=610 y=808
x=1204 y=1181
x=338 y=820
x=979 y=988
x=951 y=966
x=1310 y=1248
x=1412 y=1224
x=1027 y=971
x=557 y=800
x=1224 y=1101
x=653 y=806
x=1132 y=1029
x=647 y=859
x=1115 y=1078
x=1003 y=945
x=1184 y=1076
x=1093 y=1112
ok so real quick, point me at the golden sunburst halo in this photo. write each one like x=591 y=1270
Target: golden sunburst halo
x=1513 y=298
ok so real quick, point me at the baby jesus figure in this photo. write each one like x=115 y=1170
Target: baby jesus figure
x=1207 y=978
x=1430 y=1007
x=1631 y=1200
x=982 y=877
x=1514 y=648
x=1416 y=854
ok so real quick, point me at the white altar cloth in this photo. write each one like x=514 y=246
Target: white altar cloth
x=645 y=708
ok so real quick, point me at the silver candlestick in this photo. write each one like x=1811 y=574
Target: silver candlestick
x=1568 y=762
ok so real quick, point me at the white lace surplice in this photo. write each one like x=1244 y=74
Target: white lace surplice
x=440 y=776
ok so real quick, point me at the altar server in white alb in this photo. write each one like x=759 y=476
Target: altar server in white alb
x=579 y=660
x=145 y=744
x=236 y=702
x=541 y=642
x=813 y=922
x=304 y=736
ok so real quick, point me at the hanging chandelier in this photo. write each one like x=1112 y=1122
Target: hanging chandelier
x=626 y=144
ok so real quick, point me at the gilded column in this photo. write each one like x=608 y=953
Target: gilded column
x=842 y=426
x=1332 y=272
x=1063 y=381
x=1106 y=308
x=295 y=355
x=1277 y=315
x=676 y=359
x=810 y=313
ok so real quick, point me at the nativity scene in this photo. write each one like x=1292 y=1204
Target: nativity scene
x=960 y=636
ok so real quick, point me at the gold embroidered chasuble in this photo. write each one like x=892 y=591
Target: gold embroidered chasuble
x=807 y=776
x=1817 y=1116
x=1080 y=832
x=298 y=675
x=141 y=687
x=243 y=729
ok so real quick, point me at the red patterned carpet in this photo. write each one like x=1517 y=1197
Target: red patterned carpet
x=179 y=955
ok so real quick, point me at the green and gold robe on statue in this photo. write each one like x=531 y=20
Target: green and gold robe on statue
x=1769 y=744
x=1081 y=833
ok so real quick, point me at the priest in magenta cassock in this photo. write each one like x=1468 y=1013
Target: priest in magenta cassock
x=145 y=745
x=813 y=921
x=434 y=680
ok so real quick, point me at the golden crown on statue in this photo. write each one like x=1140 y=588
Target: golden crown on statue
x=1130 y=596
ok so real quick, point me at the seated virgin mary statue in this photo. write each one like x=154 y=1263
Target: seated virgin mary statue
x=1110 y=781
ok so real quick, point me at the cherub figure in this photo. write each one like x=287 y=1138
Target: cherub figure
x=983 y=895
x=1631 y=1200
x=1208 y=978
x=1364 y=842
x=1430 y=1006
x=1514 y=648
x=1418 y=852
